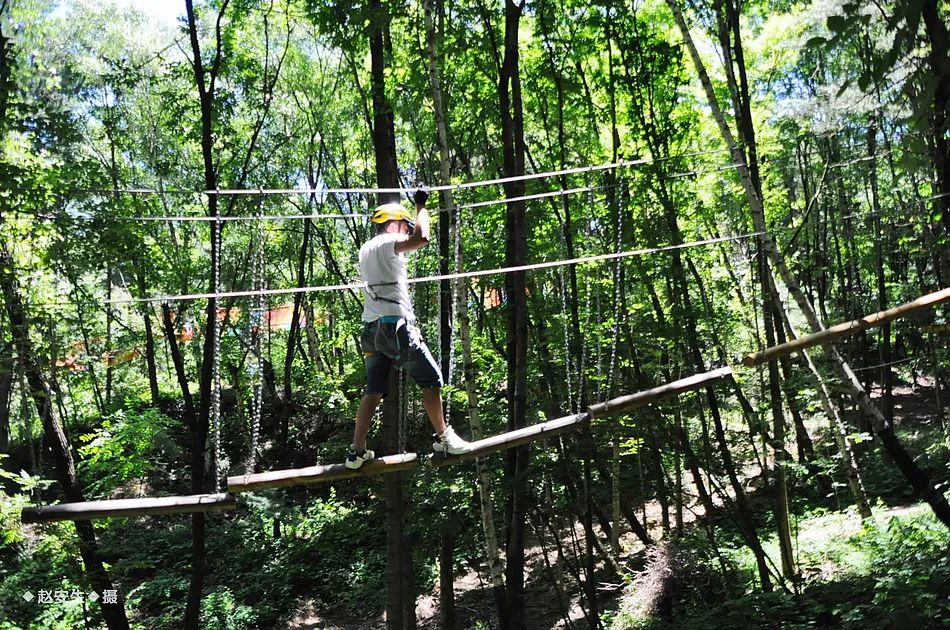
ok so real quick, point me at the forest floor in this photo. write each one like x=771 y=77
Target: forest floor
x=914 y=406
x=475 y=607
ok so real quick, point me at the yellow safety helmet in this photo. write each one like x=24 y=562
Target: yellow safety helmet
x=393 y=212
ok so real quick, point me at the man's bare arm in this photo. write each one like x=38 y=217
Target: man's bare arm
x=420 y=236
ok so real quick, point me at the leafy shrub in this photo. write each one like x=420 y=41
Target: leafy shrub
x=911 y=575
x=129 y=445
x=220 y=611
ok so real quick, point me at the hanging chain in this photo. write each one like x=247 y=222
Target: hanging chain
x=220 y=466
x=255 y=368
x=571 y=407
x=611 y=371
x=403 y=408
x=582 y=368
x=458 y=284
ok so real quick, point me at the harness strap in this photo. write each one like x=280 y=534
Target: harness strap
x=378 y=298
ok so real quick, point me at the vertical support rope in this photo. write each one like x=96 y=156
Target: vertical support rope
x=611 y=370
x=219 y=465
x=455 y=231
x=568 y=364
x=582 y=368
x=255 y=368
x=403 y=408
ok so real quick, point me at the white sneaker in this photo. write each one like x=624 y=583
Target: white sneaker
x=354 y=460
x=450 y=443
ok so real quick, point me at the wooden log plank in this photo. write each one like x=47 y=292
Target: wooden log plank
x=551 y=428
x=845 y=329
x=121 y=508
x=640 y=399
x=504 y=441
x=320 y=474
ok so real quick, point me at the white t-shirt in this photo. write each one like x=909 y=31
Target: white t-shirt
x=385 y=272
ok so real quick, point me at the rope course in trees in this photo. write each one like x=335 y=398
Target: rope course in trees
x=405 y=461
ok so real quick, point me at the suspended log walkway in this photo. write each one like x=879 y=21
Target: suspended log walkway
x=845 y=329
x=551 y=428
x=384 y=465
x=146 y=506
x=320 y=474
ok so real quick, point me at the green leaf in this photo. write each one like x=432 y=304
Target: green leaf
x=837 y=23
x=816 y=42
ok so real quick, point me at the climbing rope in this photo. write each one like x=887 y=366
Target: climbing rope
x=615 y=333
x=220 y=466
x=255 y=367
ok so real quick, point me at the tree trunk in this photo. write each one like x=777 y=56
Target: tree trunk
x=849 y=460
x=56 y=440
x=179 y=364
x=615 y=498
x=7 y=370
x=205 y=84
x=486 y=510
x=783 y=527
x=512 y=126
x=447 y=615
x=395 y=512
x=149 y=340
x=387 y=176
x=939 y=58
x=884 y=355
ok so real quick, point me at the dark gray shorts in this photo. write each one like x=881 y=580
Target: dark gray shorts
x=387 y=343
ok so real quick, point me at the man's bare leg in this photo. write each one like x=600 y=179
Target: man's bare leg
x=432 y=401
x=364 y=418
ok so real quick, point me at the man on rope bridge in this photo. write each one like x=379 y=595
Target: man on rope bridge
x=390 y=336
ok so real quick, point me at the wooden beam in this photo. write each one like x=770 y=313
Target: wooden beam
x=938 y=329
x=121 y=508
x=504 y=441
x=543 y=430
x=655 y=394
x=320 y=474
x=845 y=329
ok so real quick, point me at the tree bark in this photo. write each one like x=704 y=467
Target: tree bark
x=447 y=614
x=7 y=370
x=512 y=127
x=205 y=84
x=149 y=341
x=939 y=58
x=387 y=176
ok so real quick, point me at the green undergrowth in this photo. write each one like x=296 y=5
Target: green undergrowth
x=329 y=551
x=892 y=571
